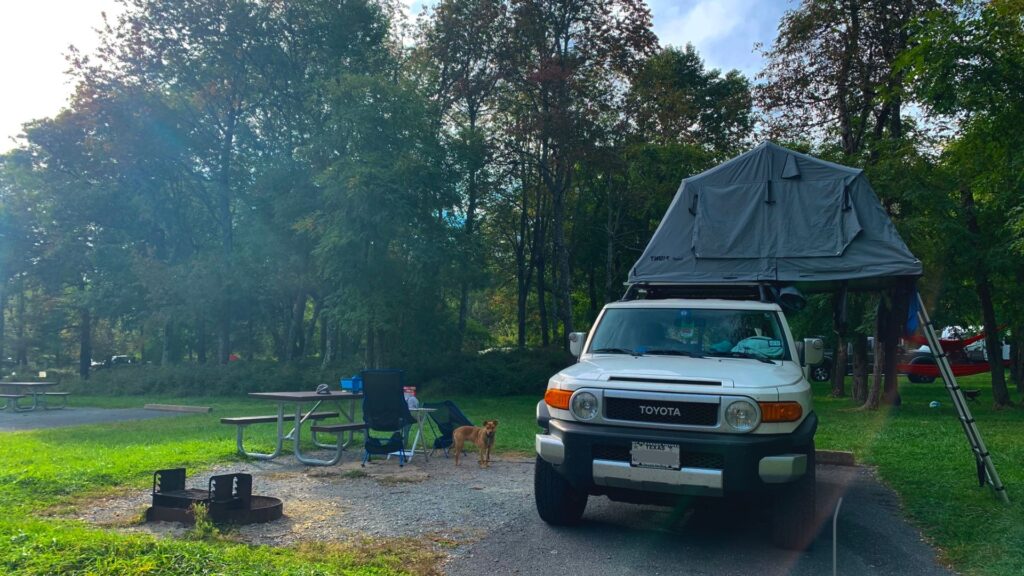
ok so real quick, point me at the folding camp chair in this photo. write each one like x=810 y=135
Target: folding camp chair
x=447 y=417
x=385 y=410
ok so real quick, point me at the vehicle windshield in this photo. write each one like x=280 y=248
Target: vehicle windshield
x=693 y=332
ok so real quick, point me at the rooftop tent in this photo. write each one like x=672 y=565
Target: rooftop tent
x=774 y=215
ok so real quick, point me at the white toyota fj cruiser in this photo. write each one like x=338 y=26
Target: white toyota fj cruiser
x=682 y=397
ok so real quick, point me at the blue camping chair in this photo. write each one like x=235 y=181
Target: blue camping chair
x=447 y=417
x=385 y=410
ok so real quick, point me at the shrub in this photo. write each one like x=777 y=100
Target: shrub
x=493 y=373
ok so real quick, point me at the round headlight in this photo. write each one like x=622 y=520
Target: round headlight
x=584 y=406
x=742 y=416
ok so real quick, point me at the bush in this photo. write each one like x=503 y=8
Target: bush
x=493 y=373
x=231 y=379
x=497 y=373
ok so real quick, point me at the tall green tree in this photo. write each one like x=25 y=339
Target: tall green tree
x=968 y=63
x=565 y=64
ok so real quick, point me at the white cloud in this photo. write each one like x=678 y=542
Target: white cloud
x=723 y=31
x=705 y=21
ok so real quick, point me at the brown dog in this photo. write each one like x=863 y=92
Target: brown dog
x=482 y=437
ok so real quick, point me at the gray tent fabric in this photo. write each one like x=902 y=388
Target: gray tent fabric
x=774 y=215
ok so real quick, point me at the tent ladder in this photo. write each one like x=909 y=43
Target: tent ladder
x=986 y=469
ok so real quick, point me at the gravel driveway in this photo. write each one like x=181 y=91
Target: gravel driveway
x=487 y=522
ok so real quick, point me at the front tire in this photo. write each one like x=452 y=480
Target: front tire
x=793 y=520
x=558 y=502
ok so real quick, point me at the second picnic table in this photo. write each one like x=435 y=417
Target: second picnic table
x=36 y=390
x=345 y=401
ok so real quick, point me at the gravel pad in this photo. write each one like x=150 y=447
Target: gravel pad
x=433 y=499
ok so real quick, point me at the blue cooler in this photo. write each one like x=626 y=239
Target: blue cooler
x=353 y=384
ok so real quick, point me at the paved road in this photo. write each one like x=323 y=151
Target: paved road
x=620 y=539
x=11 y=421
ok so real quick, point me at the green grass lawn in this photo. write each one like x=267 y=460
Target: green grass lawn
x=919 y=450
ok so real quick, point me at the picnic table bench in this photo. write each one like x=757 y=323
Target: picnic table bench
x=11 y=401
x=337 y=429
x=242 y=421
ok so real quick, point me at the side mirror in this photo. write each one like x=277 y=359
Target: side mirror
x=576 y=340
x=814 y=351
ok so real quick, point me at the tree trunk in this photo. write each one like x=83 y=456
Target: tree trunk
x=468 y=257
x=323 y=334
x=250 y=339
x=896 y=314
x=21 y=344
x=307 y=342
x=1017 y=357
x=563 y=289
x=523 y=270
x=295 y=320
x=227 y=233
x=166 y=351
x=860 y=367
x=611 y=228
x=327 y=333
x=3 y=317
x=542 y=307
x=592 y=293
x=202 y=344
x=224 y=340
x=839 y=368
x=875 y=393
x=522 y=292
x=369 y=359
x=84 y=343
x=983 y=286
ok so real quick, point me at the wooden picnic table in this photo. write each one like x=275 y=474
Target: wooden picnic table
x=13 y=391
x=346 y=402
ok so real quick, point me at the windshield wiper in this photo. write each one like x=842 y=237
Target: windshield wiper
x=670 y=352
x=615 y=351
x=752 y=355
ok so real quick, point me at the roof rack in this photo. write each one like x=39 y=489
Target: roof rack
x=786 y=296
x=697 y=291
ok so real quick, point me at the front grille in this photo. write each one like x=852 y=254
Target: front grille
x=661 y=412
x=620 y=453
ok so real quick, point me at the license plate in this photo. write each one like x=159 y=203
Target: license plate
x=655 y=455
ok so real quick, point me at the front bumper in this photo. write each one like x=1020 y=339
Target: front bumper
x=596 y=459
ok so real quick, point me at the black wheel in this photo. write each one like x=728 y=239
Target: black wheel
x=793 y=522
x=558 y=503
x=821 y=373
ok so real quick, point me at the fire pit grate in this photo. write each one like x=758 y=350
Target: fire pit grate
x=228 y=498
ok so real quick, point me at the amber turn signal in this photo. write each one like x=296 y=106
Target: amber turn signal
x=558 y=398
x=780 y=411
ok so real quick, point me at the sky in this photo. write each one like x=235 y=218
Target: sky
x=35 y=35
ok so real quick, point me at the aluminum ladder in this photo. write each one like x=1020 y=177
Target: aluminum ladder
x=986 y=469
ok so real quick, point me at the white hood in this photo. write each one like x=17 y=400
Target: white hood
x=729 y=372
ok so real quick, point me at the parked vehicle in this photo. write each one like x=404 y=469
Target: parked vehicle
x=113 y=362
x=682 y=397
